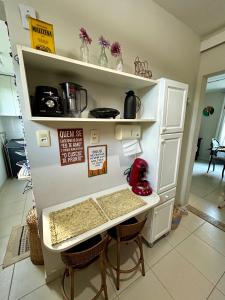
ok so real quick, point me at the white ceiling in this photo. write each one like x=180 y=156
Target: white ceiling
x=216 y=83
x=203 y=16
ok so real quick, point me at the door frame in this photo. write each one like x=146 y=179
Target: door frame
x=211 y=63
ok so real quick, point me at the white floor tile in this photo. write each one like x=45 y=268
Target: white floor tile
x=146 y=288
x=212 y=236
x=221 y=284
x=26 y=278
x=178 y=235
x=181 y=279
x=11 y=209
x=52 y=291
x=7 y=223
x=3 y=246
x=207 y=260
x=5 y=281
x=128 y=259
x=153 y=255
x=216 y=295
x=191 y=222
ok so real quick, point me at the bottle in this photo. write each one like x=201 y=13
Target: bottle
x=130 y=105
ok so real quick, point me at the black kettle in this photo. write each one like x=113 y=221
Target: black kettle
x=132 y=105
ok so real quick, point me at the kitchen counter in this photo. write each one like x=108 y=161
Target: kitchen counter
x=151 y=201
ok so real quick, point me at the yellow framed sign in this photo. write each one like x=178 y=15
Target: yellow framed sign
x=42 y=35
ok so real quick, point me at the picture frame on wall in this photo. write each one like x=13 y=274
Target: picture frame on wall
x=97 y=160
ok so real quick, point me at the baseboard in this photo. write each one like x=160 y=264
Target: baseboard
x=54 y=275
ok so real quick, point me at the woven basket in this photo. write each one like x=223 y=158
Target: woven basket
x=177 y=215
x=36 y=254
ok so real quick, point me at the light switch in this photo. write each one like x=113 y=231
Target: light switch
x=25 y=12
x=43 y=138
x=94 y=136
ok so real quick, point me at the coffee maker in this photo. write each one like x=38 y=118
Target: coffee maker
x=74 y=98
x=47 y=102
x=136 y=178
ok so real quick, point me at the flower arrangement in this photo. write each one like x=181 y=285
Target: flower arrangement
x=103 y=42
x=84 y=36
x=115 y=49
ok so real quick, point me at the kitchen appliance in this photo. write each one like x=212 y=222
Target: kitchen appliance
x=74 y=95
x=104 y=113
x=15 y=152
x=136 y=177
x=47 y=102
x=132 y=105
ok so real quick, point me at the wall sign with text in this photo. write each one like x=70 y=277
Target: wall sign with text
x=97 y=160
x=71 y=146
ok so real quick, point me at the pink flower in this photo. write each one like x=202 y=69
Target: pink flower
x=84 y=36
x=103 y=42
x=115 y=49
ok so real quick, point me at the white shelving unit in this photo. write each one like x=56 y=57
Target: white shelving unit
x=67 y=68
x=55 y=119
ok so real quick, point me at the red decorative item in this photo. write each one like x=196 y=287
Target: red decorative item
x=140 y=186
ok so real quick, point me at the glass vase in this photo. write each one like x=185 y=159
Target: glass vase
x=103 y=60
x=84 y=52
x=119 y=63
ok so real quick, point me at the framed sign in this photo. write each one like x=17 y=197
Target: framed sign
x=71 y=146
x=42 y=35
x=97 y=160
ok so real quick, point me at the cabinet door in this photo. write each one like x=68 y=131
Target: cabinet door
x=174 y=106
x=170 y=146
x=162 y=218
x=6 y=64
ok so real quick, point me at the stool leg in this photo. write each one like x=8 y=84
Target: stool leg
x=118 y=265
x=142 y=255
x=71 y=284
x=103 y=275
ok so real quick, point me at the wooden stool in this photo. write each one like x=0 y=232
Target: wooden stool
x=127 y=231
x=82 y=256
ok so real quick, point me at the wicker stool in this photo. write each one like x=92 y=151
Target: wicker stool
x=80 y=257
x=36 y=255
x=127 y=231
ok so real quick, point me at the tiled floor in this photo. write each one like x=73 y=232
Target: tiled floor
x=207 y=190
x=189 y=264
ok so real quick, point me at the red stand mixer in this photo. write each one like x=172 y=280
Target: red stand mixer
x=136 y=178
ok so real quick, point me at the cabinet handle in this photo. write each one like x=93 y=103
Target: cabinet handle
x=166 y=196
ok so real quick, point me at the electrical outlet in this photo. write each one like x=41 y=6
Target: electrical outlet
x=25 y=12
x=43 y=138
x=94 y=136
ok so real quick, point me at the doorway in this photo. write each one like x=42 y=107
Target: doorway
x=208 y=176
x=14 y=202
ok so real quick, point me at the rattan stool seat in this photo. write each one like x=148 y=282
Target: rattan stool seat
x=81 y=256
x=125 y=232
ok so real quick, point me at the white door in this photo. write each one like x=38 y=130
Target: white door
x=174 y=106
x=170 y=146
x=162 y=218
x=6 y=64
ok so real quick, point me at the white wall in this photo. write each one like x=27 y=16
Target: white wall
x=209 y=124
x=144 y=29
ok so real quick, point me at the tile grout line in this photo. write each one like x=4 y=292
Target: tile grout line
x=11 y=281
x=32 y=291
x=216 y=286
